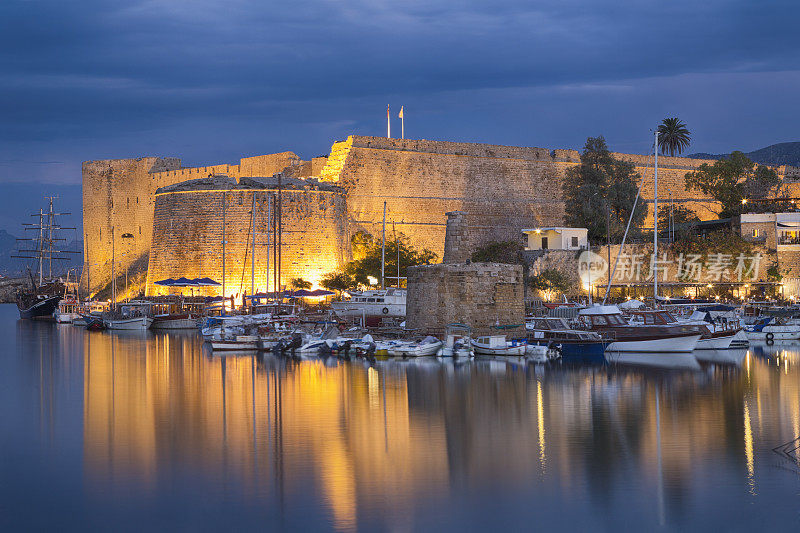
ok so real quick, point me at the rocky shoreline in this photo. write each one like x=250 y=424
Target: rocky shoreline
x=9 y=288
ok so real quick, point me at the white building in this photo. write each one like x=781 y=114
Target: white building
x=557 y=238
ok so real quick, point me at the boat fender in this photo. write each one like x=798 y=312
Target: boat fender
x=770 y=336
x=385 y=310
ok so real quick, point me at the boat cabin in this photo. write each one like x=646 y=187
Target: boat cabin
x=602 y=316
x=653 y=317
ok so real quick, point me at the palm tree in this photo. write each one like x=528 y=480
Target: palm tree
x=673 y=137
x=300 y=283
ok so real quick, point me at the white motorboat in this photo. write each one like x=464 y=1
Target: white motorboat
x=457 y=341
x=498 y=345
x=770 y=329
x=140 y=323
x=608 y=321
x=426 y=347
x=541 y=354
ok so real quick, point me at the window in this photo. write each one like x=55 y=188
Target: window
x=574 y=242
x=544 y=243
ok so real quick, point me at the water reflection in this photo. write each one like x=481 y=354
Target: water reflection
x=384 y=444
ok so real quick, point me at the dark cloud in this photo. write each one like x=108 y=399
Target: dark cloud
x=213 y=80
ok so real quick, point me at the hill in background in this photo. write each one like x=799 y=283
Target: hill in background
x=774 y=155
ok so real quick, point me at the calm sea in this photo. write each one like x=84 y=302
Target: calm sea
x=149 y=431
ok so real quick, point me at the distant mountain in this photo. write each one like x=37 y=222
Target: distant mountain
x=11 y=266
x=775 y=155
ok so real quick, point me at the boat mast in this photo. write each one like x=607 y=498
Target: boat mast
x=41 y=246
x=88 y=270
x=224 y=197
x=269 y=233
x=253 y=252
x=383 y=248
x=655 y=222
x=113 y=272
x=397 y=246
x=279 y=211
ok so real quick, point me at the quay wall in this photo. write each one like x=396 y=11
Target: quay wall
x=188 y=233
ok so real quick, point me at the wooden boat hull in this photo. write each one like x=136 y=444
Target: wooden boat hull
x=42 y=308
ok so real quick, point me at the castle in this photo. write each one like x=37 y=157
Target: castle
x=163 y=220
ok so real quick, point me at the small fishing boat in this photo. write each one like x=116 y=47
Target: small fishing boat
x=498 y=345
x=541 y=354
x=457 y=341
x=130 y=317
x=67 y=310
x=714 y=335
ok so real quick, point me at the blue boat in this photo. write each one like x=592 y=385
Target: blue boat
x=575 y=344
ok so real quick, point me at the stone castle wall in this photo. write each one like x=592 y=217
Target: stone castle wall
x=188 y=232
x=500 y=190
x=118 y=195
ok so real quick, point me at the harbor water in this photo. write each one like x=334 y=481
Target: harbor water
x=144 y=431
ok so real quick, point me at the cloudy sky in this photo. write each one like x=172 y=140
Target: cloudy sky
x=213 y=80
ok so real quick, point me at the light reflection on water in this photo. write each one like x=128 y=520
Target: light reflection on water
x=151 y=427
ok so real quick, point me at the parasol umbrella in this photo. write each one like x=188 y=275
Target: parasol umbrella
x=206 y=282
x=169 y=282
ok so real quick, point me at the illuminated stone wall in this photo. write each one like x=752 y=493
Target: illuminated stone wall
x=120 y=194
x=501 y=189
x=188 y=232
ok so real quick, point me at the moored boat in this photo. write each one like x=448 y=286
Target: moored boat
x=498 y=345
x=621 y=336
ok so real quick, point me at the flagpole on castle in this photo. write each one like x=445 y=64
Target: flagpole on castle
x=402 y=124
x=388 y=123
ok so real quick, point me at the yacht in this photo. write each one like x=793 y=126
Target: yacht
x=608 y=321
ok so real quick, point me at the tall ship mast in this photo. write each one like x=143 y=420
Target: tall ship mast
x=41 y=298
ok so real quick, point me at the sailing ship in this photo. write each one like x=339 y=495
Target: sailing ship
x=45 y=292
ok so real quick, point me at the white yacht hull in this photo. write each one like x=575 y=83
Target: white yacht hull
x=65 y=318
x=140 y=323
x=665 y=345
x=718 y=343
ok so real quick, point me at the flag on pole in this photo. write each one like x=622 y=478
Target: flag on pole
x=402 y=124
x=401 y=112
x=388 y=123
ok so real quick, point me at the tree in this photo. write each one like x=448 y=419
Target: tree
x=549 y=282
x=338 y=282
x=368 y=261
x=732 y=182
x=300 y=283
x=682 y=217
x=673 y=136
x=508 y=252
x=601 y=182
